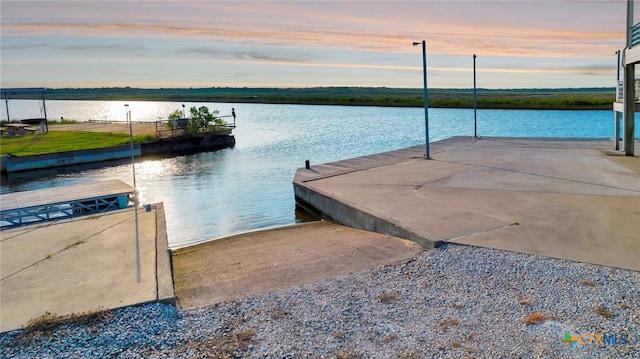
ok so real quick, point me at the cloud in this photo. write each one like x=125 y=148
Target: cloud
x=551 y=38
x=461 y=40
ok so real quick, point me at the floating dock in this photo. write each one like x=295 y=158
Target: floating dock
x=31 y=207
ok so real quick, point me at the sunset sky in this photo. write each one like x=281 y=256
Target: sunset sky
x=519 y=44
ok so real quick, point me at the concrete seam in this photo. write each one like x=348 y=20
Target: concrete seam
x=64 y=249
x=452 y=240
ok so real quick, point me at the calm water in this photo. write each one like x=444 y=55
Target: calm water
x=209 y=195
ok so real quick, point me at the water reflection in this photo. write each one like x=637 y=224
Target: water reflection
x=27 y=180
x=208 y=195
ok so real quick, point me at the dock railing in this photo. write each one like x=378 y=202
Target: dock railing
x=635 y=35
x=620 y=91
x=170 y=128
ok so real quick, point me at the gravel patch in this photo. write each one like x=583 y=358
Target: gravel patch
x=452 y=302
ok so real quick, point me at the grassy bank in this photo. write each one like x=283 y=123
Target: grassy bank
x=561 y=99
x=59 y=141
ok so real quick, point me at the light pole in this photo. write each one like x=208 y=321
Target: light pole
x=133 y=167
x=475 y=100
x=619 y=94
x=427 y=155
x=183 y=113
x=135 y=191
x=618 y=67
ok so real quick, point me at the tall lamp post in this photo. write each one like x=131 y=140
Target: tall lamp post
x=427 y=155
x=475 y=100
x=619 y=93
x=135 y=191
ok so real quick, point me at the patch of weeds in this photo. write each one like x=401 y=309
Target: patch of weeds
x=515 y=223
x=444 y=324
x=221 y=345
x=71 y=245
x=389 y=338
x=470 y=336
x=44 y=325
x=413 y=354
x=318 y=290
x=589 y=283
x=624 y=305
x=387 y=297
x=525 y=301
x=458 y=305
x=536 y=317
x=338 y=335
x=426 y=284
x=456 y=345
x=278 y=313
x=346 y=354
x=603 y=311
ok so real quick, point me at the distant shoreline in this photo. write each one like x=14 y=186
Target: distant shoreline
x=542 y=99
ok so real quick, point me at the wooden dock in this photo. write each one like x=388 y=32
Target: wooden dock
x=29 y=207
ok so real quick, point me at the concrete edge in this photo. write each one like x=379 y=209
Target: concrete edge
x=193 y=246
x=342 y=213
x=165 y=292
x=370 y=165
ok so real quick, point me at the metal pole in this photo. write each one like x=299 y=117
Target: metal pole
x=427 y=155
x=6 y=103
x=629 y=90
x=133 y=167
x=618 y=73
x=135 y=195
x=44 y=107
x=475 y=100
x=617 y=115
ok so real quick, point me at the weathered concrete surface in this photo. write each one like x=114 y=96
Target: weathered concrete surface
x=81 y=265
x=256 y=262
x=573 y=199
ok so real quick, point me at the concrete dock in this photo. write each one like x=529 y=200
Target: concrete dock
x=82 y=265
x=565 y=198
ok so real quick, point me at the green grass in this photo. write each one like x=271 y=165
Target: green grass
x=557 y=99
x=59 y=141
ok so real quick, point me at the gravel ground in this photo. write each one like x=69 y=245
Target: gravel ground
x=452 y=302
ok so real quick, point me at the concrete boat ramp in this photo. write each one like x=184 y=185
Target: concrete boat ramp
x=571 y=199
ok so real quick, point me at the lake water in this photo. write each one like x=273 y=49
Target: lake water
x=249 y=187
